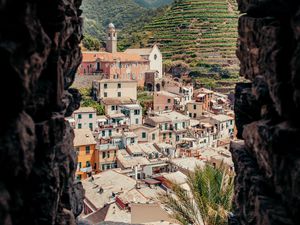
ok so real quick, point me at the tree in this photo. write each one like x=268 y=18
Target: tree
x=87 y=101
x=209 y=200
x=91 y=43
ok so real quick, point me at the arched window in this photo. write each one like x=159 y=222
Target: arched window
x=155 y=57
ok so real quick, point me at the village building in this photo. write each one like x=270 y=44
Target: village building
x=204 y=96
x=146 y=133
x=133 y=112
x=110 y=88
x=194 y=109
x=173 y=126
x=111 y=105
x=224 y=124
x=129 y=65
x=85 y=118
x=164 y=100
x=153 y=55
x=87 y=154
x=107 y=156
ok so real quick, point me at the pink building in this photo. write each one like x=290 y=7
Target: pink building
x=113 y=64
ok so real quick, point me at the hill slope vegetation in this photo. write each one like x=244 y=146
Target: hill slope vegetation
x=200 y=32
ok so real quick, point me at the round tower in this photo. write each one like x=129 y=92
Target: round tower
x=112 y=39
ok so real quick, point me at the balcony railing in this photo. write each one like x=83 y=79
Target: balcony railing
x=86 y=169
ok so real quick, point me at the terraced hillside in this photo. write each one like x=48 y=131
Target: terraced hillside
x=200 y=32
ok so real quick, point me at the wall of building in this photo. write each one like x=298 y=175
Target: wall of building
x=117 y=89
x=162 y=102
x=156 y=61
x=84 y=156
x=85 y=122
x=151 y=136
x=107 y=159
x=194 y=109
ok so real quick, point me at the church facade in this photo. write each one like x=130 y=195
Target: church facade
x=132 y=64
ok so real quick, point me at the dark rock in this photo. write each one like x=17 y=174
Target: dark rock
x=267 y=183
x=39 y=51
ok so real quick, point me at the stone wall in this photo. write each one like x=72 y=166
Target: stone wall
x=267 y=161
x=39 y=55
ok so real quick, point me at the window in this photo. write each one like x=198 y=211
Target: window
x=190 y=114
x=87 y=150
x=153 y=136
x=108 y=155
x=91 y=126
x=103 y=155
x=155 y=57
x=88 y=164
x=112 y=107
x=78 y=177
x=103 y=133
x=195 y=115
x=164 y=136
x=195 y=106
x=105 y=94
x=115 y=153
x=79 y=164
x=144 y=135
x=119 y=85
x=166 y=107
x=105 y=86
x=136 y=112
x=177 y=138
x=109 y=132
x=132 y=140
x=79 y=116
x=231 y=122
x=136 y=121
x=169 y=100
x=170 y=135
x=90 y=116
x=176 y=126
x=166 y=126
x=119 y=94
x=103 y=167
x=183 y=124
x=79 y=126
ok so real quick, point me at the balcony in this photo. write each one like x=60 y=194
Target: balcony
x=86 y=169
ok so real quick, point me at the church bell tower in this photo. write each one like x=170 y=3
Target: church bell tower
x=112 y=38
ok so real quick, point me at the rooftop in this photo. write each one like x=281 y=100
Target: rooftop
x=118 y=101
x=222 y=118
x=139 y=51
x=129 y=134
x=111 y=57
x=132 y=106
x=159 y=119
x=175 y=116
x=115 y=81
x=110 y=181
x=189 y=163
x=169 y=94
x=85 y=110
x=83 y=137
x=128 y=161
x=148 y=148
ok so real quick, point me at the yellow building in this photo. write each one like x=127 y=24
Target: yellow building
x=87 y=155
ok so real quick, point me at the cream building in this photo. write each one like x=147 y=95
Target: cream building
x=85 y=118
x=109 y=88
x=153 y=55
x=194 y=109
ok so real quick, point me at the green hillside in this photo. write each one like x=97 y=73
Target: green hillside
x=153 y=3
x=200 y=32
x=123 y=13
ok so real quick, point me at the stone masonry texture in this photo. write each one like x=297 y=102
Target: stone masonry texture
x=39 y=55
x=267 y=158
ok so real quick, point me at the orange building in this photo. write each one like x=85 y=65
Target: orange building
x=87 y=154
x=205 y=96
